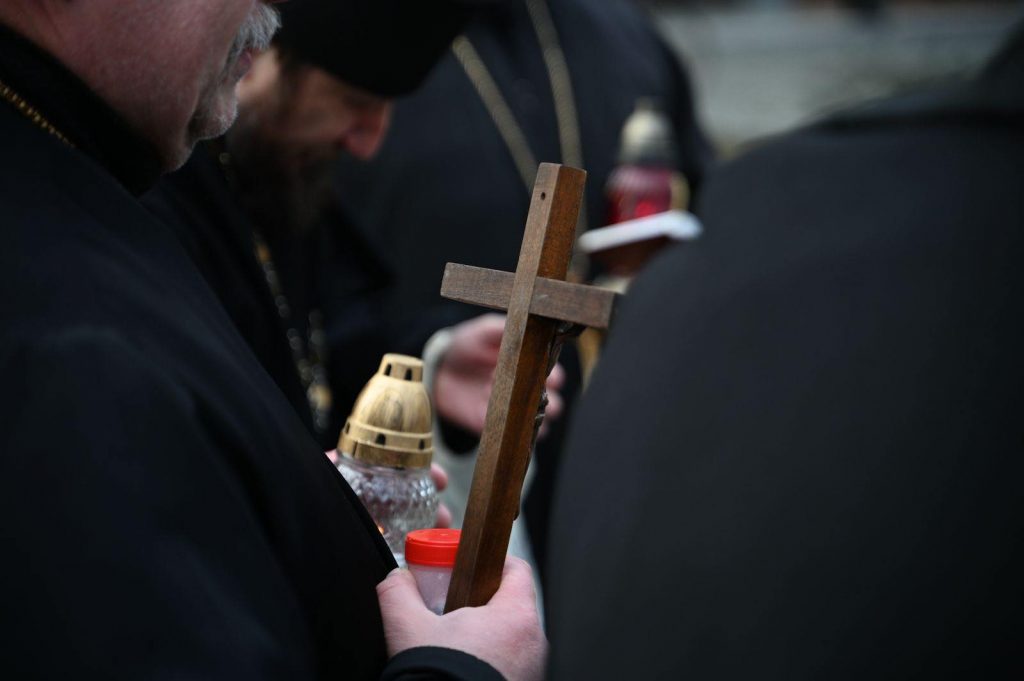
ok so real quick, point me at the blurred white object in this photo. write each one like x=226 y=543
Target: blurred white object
x=676 y=225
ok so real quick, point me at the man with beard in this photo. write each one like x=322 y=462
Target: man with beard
x=247 y=206
x=166 y=513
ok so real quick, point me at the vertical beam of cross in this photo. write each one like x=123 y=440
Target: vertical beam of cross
x=523 y=365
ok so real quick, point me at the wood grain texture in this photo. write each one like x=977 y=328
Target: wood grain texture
x=560 y=300
x=519 y=381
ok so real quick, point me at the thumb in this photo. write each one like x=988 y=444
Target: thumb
x=516 y=584
x=399 y=595
x=492 y=327
x=402 y=610
x=556 y=379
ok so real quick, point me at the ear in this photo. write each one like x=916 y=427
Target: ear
x=265 y=77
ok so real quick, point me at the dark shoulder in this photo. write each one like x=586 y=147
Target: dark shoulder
x=901 y=207
x=617 y=19
x=91 y=357
x=618 y=34
x=199 y=177
x=192 y=200
x=86 y=388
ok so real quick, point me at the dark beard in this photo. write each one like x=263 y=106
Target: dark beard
x=282 y=200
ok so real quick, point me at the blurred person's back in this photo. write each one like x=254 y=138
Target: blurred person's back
x=813 y=416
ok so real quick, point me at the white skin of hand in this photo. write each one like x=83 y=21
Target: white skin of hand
x=505 y=633
x=440 y=478
x=465 y=376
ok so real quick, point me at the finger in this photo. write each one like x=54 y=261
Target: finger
x=481 y=416
x=489 y=354
x=556 y=379
x=402 y=610
x=473 y=410
x=516 y=584
x=398 y=595
x=444 y=517
x=439 y=476
x=484 y=326
x=492 y=320
x=333 y=456
x=492 y=327
x=485 y=348
x=555 y=406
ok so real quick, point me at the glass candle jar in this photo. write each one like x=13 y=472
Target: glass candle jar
x=398 y=499
x=386 y=447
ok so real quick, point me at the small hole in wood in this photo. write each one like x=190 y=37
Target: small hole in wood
x=543 y=195
x=387 y=370
x=423 y=445
x=381 y=439
x=348 y=427
x=408 y=374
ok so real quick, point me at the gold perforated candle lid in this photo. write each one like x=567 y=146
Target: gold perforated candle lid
x=391 y=423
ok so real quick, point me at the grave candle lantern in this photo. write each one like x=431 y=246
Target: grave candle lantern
x=386 y=447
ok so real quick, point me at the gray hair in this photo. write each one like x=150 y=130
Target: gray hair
x=257 y=31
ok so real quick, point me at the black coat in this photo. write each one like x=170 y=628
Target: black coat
x=197 y=202
x=334 y=271
x=800 y=456
x=165 y=511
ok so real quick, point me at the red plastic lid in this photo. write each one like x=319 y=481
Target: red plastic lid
x=432 y=547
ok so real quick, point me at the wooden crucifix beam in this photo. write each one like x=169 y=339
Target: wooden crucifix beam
x=552 y=298
x=537 y=300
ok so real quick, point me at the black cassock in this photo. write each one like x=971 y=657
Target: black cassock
x=800 y=456
x=165 y=511
x=444 y=187
x=335 y=272
x=198 y=203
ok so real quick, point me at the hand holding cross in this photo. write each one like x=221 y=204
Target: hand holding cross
x=537 y=299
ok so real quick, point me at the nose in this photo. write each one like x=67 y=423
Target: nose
x=367 y=133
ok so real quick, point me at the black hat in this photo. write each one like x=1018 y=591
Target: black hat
x=386 y=47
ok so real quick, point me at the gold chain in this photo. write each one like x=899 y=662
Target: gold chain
x=31 y=113
x=308 y=355
x=501 y=113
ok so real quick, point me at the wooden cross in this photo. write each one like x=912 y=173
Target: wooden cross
x=538 y=301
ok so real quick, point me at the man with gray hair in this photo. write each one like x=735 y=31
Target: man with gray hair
x=167 y=514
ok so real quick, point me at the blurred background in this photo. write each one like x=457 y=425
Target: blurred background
x=762 y=66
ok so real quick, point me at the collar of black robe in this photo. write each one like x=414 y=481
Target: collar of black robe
x=81 y=116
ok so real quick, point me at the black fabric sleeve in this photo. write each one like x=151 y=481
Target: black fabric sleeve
x=135 y=549
x=436 y=664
